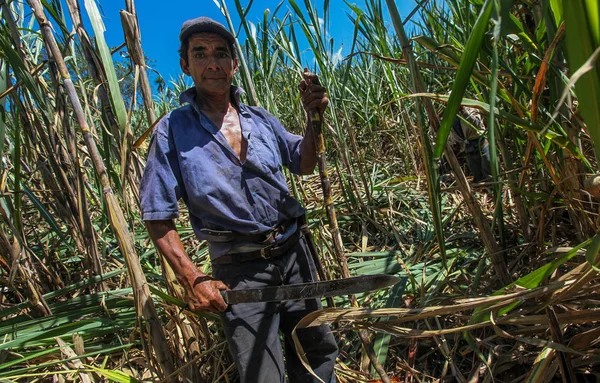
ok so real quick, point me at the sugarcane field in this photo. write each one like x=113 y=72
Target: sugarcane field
x=300 y=191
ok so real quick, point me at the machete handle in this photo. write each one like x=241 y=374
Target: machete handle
x=224 y=296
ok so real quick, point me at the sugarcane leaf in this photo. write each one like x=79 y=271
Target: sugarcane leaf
x=34 y=355
x=114 y=89
x=593 y=253
x=3 y=86
x=475 y=347
x=516 y=27
x=556 y=6
x=105 y=349
x=2 y=134
x=56 y=293
x=583 y=44
x=247 y=78
x=20 y=71
x=45 y=214
x=382 y=341
x=376 y=262
x=501 y=16
x=166 y=297
x=4 y=79
x=71 y=310
x=179 y=303
x=463 y=76
x=540 y=366
x=593 y=14
x=114 y=376
x=36 y=338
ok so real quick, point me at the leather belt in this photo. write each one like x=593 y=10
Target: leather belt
x=266 y=238
x=267 y=252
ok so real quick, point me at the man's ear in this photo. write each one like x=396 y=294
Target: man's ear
x=235 y=66
x=184 y=66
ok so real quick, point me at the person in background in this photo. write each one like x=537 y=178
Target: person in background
x=467 y=133
x=225 y=160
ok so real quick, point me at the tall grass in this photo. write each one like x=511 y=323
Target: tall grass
x=510 y=265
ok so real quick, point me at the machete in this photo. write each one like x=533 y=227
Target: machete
x=335 y=287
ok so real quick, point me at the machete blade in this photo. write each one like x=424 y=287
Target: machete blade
x=336 y=287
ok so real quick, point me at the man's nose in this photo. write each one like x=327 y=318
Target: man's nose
x=212 y=63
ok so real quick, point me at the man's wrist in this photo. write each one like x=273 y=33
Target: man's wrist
x=191 y=277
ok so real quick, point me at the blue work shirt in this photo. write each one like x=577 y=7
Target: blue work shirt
x=190 y=158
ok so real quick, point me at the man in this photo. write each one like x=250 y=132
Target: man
x=225 y=160
x=468 y=133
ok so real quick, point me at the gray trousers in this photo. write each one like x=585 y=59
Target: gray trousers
x=252 y=329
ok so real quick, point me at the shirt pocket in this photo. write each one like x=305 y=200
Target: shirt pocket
x=267 y=154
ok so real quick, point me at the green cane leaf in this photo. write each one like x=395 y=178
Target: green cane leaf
x=463 y=76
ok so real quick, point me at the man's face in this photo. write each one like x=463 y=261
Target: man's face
x=210 y=63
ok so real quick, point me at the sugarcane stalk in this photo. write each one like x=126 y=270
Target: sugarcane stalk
x=315 y=256
x=317 y=128
x=133 y=40
x=316 y=124
x=143 y=300
x=134 y=46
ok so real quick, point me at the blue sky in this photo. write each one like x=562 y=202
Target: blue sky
x=160 y=22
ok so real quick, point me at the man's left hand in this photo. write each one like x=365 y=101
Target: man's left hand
x=313 y=95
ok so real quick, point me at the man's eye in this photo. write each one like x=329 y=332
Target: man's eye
x=199 y=55
x=222 y=55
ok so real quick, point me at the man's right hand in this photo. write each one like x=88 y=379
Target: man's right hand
x=203 y=294
x=201 y=289
x=312 y=94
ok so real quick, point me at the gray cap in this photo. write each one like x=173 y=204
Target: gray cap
x=204 y=24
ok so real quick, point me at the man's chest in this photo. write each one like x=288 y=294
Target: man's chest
x=229 y=126
x=209 y=161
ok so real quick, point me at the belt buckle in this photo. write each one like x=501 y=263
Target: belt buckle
x=264 y=254
x=270 y=238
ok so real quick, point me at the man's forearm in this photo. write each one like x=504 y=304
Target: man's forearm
x=308 y=150
x=202 y=291
x=165 y=237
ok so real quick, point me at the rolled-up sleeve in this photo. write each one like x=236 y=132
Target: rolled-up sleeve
x=288 y=143
x=161 y=185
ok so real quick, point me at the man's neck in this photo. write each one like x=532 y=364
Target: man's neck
x=214 y=104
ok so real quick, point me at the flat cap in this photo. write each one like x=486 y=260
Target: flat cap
x=204 y=24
